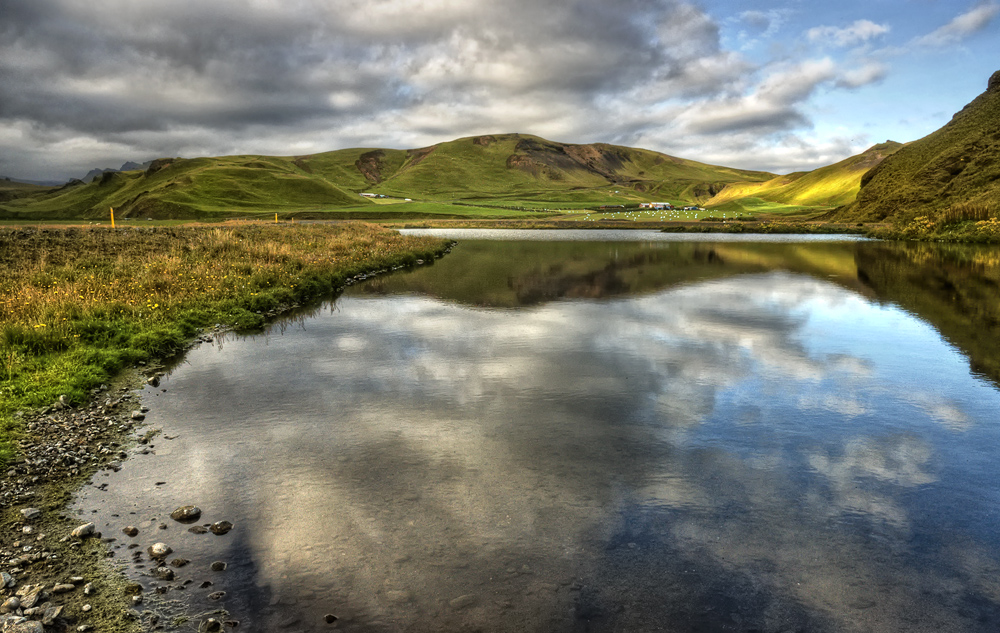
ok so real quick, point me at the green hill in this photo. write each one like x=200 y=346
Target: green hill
x=509 y=169
x=200 y=187
x=826 y=187
x=524 y=167
x=952 y=174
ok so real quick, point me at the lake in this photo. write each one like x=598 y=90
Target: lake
x=597 y=432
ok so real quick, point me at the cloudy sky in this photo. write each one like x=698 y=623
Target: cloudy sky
x=779 y=85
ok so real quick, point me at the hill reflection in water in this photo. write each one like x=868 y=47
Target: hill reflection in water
x=596 y=437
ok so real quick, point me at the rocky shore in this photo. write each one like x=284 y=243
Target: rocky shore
x=58 y=574
x=53 y=580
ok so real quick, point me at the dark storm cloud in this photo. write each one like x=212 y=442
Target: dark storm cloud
x=123 y=80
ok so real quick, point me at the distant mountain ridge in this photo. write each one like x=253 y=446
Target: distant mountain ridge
x=954 y=167
x=96 y=173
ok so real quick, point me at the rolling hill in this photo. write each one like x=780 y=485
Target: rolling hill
x=953 y=169
x=510 y=169
x=826 y=187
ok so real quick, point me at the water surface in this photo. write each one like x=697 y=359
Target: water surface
x=597 y=436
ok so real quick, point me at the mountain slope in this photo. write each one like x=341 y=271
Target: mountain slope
x=956 y=166
x=510 y=167
x=186 y=188
x=524 y=166
x=829 y=186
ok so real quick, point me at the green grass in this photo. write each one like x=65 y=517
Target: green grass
x=78 y=305
x=821 y=189
x=958 y=164
x=514 y=173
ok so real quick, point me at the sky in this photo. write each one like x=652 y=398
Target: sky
x=775 y=85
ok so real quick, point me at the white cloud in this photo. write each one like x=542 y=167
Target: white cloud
x=859 y=32
x=962 y=26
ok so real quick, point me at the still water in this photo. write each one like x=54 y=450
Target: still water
x=596 y=436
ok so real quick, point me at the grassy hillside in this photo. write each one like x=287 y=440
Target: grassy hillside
x=525 y=168
x=826 y=187
x=949 y=176
x=200 y=187
x=515 y=170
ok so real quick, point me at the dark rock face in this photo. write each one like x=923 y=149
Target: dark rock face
x=994 y=82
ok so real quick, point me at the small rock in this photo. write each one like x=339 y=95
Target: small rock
x=198 y=529
x=88 y=589
x=30 y=514
x=221 y=527
x=138 y=416
x=158 y=550
x=6 y=580
x=217 y=595
x=137 y=599
x=25 y=626
x=50 y=615
x=329 y=618
x=10 y=605
x=86 y=608
x=63 y=588
x=130 y=530
x=163 y=573
x=83 y=628
x=211 y=625
x=179 y=562
x=153 y=381
x=218 y=565
x=85 y=530
x=186 y=514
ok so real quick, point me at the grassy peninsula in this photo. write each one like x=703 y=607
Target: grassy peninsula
x=79 y=305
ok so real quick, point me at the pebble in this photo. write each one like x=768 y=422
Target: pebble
x=158 y=550
x=83 y=531
x=163 y=573
x=198 y=529
x=86 y=608
x=11 y=604
x=130 y=530
x=217 y=595
x=185 y=514
x=221 y=527
x=63 y=588
x=138 y=416
x=179 y=562
x=218 y=566
x=30 y=514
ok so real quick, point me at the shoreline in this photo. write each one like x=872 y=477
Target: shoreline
x=53 y=580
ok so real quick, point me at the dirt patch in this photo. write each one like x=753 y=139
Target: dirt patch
x=416 y=156
x=485 y=141
x=370 y=164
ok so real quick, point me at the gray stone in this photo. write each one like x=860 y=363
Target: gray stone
x=130 y=530
x=217 y=595
x=10 y=605
x=6 y=580
x=138 y=416
x=50 y=615
x=83 y=531
x=218 y=565
x=20 y=625
x=30 y=514
x=158 y=550
x=186 y=514
x=163 y=573
x=221 y=527
x=63 y=588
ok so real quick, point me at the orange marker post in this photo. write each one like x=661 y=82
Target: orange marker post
x=275 y=218
x=112 y=217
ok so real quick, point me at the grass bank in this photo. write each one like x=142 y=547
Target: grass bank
x=78 y=305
